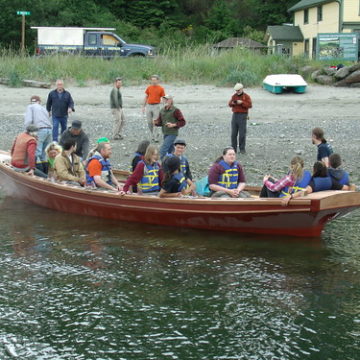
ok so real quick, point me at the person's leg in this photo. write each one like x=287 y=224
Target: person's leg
x=149 y=119
x=234 y=130
x=167 y=145
x=39 y=173
x=63 y=123
x=155 y=116
x=117 y=120
x=41 y=137
x=55 y=130
x=242 y=131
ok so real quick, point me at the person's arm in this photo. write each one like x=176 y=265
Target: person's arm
x=188 y=171
x=85 y=147
x=101 y=183
x=241 y=179
x=323 y=155
x=170 y=189
x=82 y=173
x=145 y=99
x=180 y=121
x=325 y=160
x=49 y=103
x=158 y=121
x=28 y=117
x=246 y=102
x=135 y=177
x=114 y=99
x=116 y=182
x=231 y=102
x=31 y=150
x=308 y=190
x=71 y=106
x=164 y=194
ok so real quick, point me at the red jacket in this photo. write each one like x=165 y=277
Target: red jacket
x=244 y=106
x=23 y=151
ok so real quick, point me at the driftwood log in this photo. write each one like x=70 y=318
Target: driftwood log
x=28 y=83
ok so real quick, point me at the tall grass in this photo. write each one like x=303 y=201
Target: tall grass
x=193 y=64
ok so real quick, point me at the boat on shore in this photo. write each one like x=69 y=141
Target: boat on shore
x=305 y=217
x=277 y=84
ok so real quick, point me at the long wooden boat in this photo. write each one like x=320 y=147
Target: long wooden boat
x=303 y=217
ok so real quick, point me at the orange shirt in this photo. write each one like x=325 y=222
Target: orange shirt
x=94 y=168
x=154 y=93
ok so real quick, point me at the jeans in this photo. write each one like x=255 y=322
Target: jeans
x=167 y=146
x=238 y=129
x=44 y=139
x=56 y=121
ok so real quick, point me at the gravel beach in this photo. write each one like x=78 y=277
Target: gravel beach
x=279 y=126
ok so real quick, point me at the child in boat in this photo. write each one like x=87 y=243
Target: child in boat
x=320 y=181
x=51 y=151
x=139 y=154
x=336 y=172
x=147 y=176
x=273 y=188
x=175 y=184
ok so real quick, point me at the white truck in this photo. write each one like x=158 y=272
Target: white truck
x=86 y=41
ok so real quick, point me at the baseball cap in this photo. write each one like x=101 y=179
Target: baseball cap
x=102 y=140
x=76 y=124
x=35 y=98
x=180 y=142
x=167 y=97
x=238 y=86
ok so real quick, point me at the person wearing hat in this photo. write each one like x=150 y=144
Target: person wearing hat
x=37 y=115
x=179 y=150
x=240 y=104
x=23 y=152
x=116 y=105
x=75 y=132
x=96 y=148
x=170 y=119
x=153 y=94
x=59 y=105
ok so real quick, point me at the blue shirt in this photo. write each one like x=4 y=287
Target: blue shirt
x=324 y=151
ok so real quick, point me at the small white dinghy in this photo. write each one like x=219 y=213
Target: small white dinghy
x=277 y=84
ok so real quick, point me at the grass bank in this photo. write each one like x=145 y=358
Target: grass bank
x=192 y=65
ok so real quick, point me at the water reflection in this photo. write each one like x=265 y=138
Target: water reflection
x=83 y=288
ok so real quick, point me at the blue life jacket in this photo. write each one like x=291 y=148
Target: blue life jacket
x=345 y=180
x=150 y=180
x=322 y=183
x=105 y=170
x=341 y=176
x=300 y=185
x=229 y=179
x=182 y=181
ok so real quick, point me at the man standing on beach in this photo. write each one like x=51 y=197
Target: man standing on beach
x=116 y=105
x=170 y=119
x=59 y=104
x=151 y=105
x=37 y=115
x=240 y=104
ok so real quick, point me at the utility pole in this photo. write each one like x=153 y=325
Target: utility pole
x=23 y=14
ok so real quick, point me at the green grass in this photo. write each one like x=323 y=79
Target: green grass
x=192 y=65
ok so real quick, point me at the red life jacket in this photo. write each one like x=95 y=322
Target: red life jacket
x=19 y=156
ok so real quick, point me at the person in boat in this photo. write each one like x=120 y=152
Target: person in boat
x=336 y=172
x=75 y=132
x=170 y=119
x=290 y=183
x=175 y=183
x=148 y=175
x=98 y=169
x=226 y=176
x=324 y=149
x=68 y=165
x=51 y=151
x=37 y=115
x=23 y=152
x=139 y=154
x=320 y=181
x=179 y=150
x=96 y=148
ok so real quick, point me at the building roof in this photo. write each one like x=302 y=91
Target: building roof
x=238 y=41
x=303 y=4
x=285 y=32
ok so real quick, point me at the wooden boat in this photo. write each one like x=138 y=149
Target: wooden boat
x=280 y=83
x=303 y=217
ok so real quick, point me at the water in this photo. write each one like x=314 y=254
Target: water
x=82 y=288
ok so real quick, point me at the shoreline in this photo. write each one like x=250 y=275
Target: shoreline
x=278 y=129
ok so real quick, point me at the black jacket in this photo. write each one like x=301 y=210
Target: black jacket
x=82 y=142
x=59 y=105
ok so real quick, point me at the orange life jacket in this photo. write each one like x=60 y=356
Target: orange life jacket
x=19 y=156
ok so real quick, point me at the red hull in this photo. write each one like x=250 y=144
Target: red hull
x=304 y=217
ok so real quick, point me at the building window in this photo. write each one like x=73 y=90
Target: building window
x=314 y=44
x=319 y=13
x=306 y=16
x=306 y=47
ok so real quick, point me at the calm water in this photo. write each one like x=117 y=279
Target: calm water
x=83 y=288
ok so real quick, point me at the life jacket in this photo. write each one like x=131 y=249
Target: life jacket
x=229 y=179
x=300 y=185
x=322 y=183
x=19 y=157
x=341 y=176
x=150 y=181
x=182 y=181
x=105 y=170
